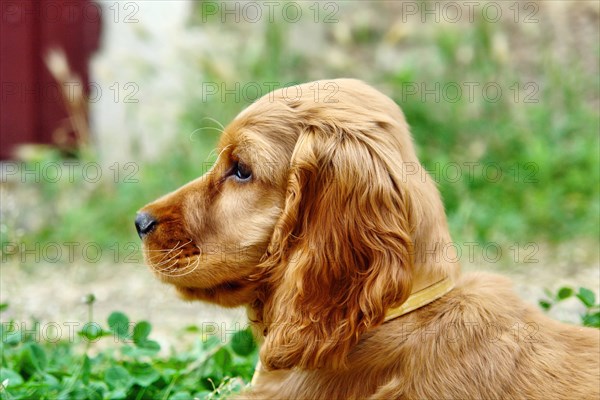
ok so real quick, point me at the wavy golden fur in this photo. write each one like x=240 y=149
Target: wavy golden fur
x=319 y=218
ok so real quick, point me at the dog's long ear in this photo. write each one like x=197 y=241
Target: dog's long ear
x=341 y=253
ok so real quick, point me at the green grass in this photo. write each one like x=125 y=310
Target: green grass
x=118 y=360
x=587 y=298
x=527 y=170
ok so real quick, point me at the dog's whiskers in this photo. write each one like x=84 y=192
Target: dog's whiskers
x=177 y=246
x=215 y=121
x=189 y=268
x=173 y=261
x=168 y=252
x=174 y=256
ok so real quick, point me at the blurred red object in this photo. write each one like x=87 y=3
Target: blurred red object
x=32 y=109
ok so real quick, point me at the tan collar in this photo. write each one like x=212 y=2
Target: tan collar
x=421 y=298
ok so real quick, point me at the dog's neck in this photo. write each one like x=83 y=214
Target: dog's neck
x=436 y=267
x=435 y=272
x=425 y=290
x=421 y=296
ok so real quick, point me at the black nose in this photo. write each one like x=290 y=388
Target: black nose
x=144 y=223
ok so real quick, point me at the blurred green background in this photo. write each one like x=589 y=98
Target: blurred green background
x=504 y=113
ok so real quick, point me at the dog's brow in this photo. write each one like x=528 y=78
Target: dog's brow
x=222 y=151
x=213 y=151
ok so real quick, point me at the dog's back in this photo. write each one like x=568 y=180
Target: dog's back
x=482 y=341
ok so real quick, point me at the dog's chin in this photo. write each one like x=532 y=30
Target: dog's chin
x=227 y=294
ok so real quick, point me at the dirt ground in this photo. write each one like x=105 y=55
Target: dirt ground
x=55 y=294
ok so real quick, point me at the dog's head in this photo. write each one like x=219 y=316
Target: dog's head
x=317 y=208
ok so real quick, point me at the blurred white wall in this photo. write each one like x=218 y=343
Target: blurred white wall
x=136 y=76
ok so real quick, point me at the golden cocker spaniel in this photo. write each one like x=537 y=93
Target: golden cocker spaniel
x=319 y=218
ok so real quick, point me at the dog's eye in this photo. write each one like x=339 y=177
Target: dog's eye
x=241 y=172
